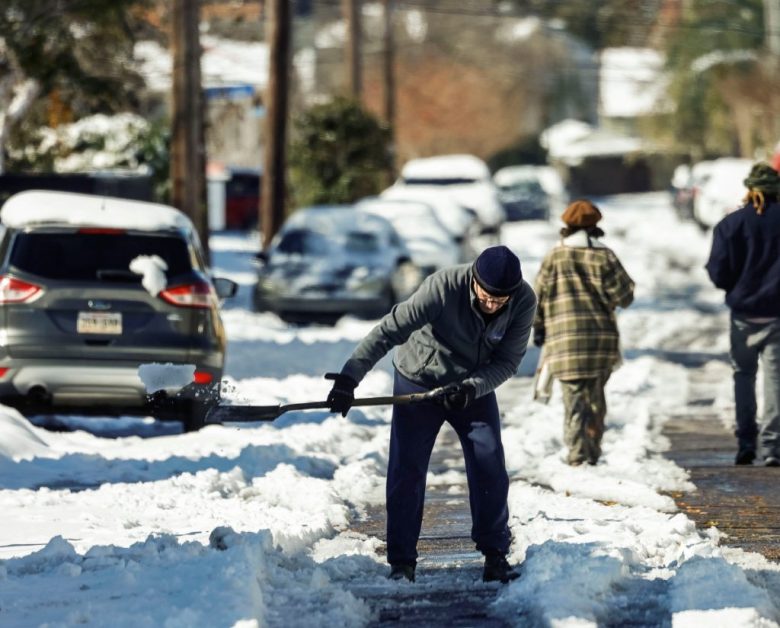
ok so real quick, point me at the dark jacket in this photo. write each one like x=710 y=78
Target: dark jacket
x=745 y=260
x=442 y=337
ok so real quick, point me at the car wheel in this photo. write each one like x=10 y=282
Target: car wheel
x=257 y=304
x=406 y=279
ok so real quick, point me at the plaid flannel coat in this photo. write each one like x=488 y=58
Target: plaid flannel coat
x=579 y=285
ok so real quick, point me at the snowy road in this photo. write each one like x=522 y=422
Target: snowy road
x=250 y=526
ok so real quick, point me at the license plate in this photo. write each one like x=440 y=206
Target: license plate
x=99 y=323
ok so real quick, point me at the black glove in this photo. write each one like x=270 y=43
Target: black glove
x=342 y=394
x=539 y=336
x=457 y=396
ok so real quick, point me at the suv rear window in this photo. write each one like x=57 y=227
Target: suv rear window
x=90 y=256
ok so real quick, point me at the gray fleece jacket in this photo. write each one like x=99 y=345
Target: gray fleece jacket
x=442 y=338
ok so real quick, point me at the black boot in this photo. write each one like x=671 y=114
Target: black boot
x=400 y=571
x=497 y=569
x=745 y=456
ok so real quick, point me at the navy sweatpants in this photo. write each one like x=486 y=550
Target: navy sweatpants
x=413 y=434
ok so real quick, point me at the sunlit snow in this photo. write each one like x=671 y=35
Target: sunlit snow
x=249 y=525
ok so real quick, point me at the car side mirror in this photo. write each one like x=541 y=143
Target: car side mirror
x=225 y=288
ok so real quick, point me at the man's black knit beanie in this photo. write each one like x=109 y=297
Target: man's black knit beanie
x=497 y=271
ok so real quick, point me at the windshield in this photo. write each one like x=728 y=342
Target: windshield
x=524 y=187
x=303 y=242
x=362 y=242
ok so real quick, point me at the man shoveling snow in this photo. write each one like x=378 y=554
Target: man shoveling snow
x=466 y=328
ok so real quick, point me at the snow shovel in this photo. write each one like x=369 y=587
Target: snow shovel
x=231 y=414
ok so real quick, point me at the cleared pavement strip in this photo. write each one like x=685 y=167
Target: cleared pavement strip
x=449 y=591
x=740 y=501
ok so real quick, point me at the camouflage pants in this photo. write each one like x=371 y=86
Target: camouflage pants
x=585 y=407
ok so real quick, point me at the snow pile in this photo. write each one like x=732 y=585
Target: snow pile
x=165 y=376
x=233 y=581
x=710 y=591
x=563 y=584
x=18 y=439
x=152 y=270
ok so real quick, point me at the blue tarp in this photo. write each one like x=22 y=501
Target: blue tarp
x=230 y=92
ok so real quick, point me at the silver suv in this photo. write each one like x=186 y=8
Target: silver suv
x=91 y=289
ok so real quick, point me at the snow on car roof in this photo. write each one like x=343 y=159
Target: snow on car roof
x=446 y=167
x=515 y=174
x=411 y=219
x=547 y=176
x=37 y=207
x=336 y=219
x=400 y=207
x=452 y=214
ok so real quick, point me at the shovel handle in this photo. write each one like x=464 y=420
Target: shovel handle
x=269 y=413
x=368 y=401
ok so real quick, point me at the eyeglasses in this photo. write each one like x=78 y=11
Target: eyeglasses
x=488 y=299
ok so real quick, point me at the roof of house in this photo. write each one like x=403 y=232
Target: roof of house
x=631 y=82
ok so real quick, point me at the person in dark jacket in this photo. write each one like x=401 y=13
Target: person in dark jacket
x=465 y=330
x=745 y=262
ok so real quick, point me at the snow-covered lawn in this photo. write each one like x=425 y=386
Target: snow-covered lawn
x=250 y=525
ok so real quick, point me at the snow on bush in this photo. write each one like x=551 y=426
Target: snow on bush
x=94 y=143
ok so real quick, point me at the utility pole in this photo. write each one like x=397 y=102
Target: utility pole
x=388 y=79
x=272 y=204
x=772 y=28
x=352 y=14
x=188 y=150
x=388 y=62
x=772 y=38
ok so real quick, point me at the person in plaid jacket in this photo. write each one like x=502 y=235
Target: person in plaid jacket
x=580 y=284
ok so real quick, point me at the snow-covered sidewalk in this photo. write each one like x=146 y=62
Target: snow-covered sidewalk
x=250 y=526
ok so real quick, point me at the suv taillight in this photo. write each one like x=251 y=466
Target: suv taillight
x=197 y=294
x=14 y=290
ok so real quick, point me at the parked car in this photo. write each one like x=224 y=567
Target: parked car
x=242 y=198
x=718 y=189
x=461 y=223
x=94 y=287
x=233 y=197
x=466 y=178
x=522 y=193
x=686 y=184
x=328 y=261
x=681 y=190
x=430 y=244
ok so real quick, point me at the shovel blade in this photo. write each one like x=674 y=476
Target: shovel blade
x=245 y=414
